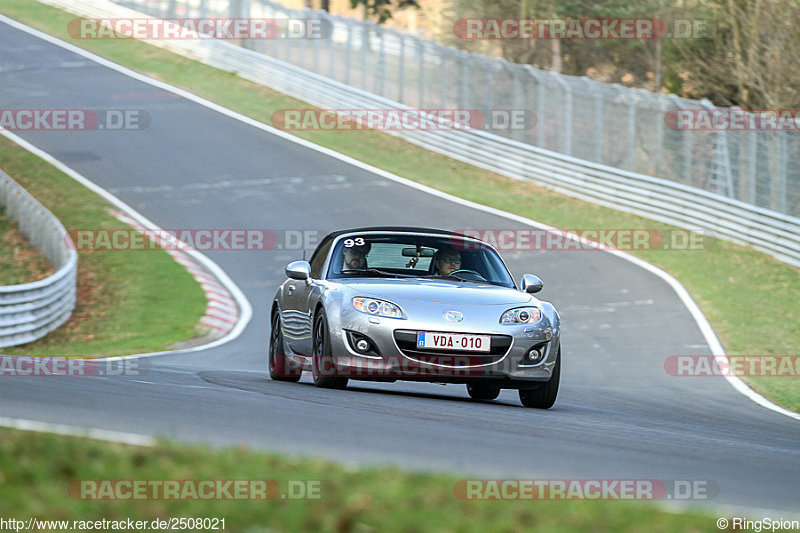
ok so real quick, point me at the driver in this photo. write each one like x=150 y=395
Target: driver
x=355 y=257
x=447 y=260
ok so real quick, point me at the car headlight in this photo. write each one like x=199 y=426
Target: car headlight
x=372 y=306
x=521 y=315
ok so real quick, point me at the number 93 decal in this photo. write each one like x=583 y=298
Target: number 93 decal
x=358 y=241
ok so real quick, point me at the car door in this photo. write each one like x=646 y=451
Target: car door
x=297 y=297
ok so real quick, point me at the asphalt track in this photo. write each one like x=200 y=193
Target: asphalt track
x=618 y=416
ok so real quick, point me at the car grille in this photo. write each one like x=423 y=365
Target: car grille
x=407 y=342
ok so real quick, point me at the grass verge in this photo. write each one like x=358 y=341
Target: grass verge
x=128 y=302
x=751 y=299
x=36 y=470
x=20 y=262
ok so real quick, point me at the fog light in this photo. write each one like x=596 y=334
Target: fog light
x=362 y=345
x=534 y=355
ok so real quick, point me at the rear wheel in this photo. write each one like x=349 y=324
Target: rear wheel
x=279 y=368
x=545 y=396
x=323 y=365
x=483 y=391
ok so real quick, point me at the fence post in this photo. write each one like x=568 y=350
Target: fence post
x=517 y=99
x=630 y=159
x=536 y=75
x=364 y=45
x=380 y=71
x=784 y=163
x=598 y=123
x=401 y=68
x=348 y=48
x=463 y=87
x=752 y=165
x=567 y=125
x=686 y=137
x=421 y=85
x=442 y=74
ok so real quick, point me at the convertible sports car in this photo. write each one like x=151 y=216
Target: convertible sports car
x=389 y=303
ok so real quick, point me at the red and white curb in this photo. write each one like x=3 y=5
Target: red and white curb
x=222 y=313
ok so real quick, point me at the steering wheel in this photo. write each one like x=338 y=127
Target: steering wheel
x=477 y=277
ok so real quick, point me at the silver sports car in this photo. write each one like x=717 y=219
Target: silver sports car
x=387 y=304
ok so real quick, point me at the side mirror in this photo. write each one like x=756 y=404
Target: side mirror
x=531 y=284
x=299 y=270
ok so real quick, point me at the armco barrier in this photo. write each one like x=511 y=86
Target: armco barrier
x=656 y=198
x=31 y=310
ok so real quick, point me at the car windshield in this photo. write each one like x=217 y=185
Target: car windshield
x=401 y=255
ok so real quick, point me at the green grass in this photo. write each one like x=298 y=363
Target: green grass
x=36 y=469
x=752 y=300
x=128 y=302
x=19 y=261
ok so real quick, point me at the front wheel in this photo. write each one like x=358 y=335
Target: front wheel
x=279 y=368
x=545 y=396
x=323 y=365
x=483 y=391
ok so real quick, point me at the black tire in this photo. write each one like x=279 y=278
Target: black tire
x=322 y=363
x=279 y=368
x=483 y=391
x=545 y=396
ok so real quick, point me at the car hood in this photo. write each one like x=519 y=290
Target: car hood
x=436 y=291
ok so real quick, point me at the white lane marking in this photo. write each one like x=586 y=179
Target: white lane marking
x=133 y=439
x=702 y=323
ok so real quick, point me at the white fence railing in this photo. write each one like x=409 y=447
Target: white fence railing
x=29 y=311
x=657 y=198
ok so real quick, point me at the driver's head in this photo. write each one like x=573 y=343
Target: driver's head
x=355 y=257
x=447 y=260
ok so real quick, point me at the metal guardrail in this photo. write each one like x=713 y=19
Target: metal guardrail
x=668 y=201
x=29 y=311
x=631 y=129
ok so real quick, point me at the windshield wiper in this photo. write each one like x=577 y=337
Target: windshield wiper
x=456 y=278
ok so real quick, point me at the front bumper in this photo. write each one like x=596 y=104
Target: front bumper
x=393 y=354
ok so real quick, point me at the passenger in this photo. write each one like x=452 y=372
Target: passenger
x=446 y=260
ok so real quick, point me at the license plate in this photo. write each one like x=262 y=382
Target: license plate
x=453 y=341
